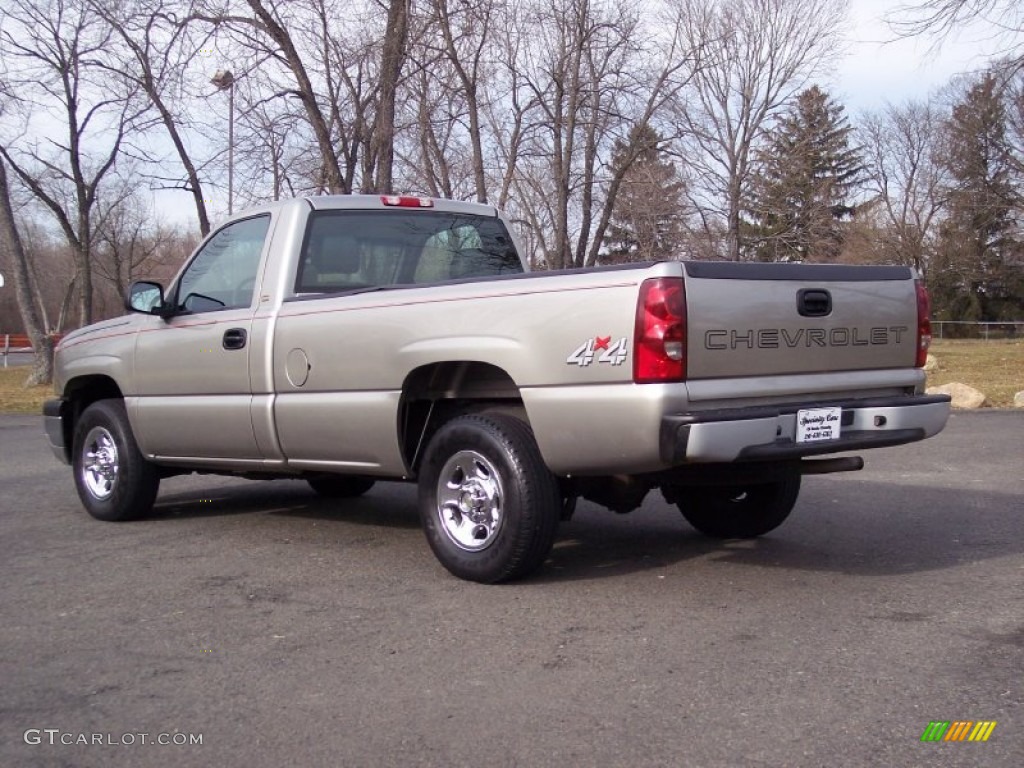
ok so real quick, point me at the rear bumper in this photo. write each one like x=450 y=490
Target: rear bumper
x=53 y=423
x=768 y=433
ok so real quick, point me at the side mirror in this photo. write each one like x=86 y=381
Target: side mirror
x=146 y=297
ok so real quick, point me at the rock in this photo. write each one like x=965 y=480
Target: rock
x=1018 y=399
x=932 y=363
x=963 y=396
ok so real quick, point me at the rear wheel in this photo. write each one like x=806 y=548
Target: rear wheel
x=113 y=480
x=339 y=486
x=738 y=511
x=489 y=505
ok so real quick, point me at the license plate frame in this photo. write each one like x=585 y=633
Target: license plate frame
x=818 y=425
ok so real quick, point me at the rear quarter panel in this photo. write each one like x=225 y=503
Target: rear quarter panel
x=361 y=348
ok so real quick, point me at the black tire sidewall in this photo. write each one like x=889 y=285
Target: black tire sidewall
x=530 y=504
x=137 y=480
x=768 y=506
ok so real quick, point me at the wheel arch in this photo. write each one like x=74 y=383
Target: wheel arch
x=436 y=392
x=81 y=392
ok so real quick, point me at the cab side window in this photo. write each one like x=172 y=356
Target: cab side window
x=223 y=274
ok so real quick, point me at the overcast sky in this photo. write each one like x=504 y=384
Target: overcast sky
x=879 y=68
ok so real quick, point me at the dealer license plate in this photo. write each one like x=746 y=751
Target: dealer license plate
x=817 y=424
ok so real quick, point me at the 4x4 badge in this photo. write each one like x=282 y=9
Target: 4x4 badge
x=584 y=354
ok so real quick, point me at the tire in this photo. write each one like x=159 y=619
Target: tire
x=489 y=505
x=340 y=486
x=739 y=511
x=113 y=480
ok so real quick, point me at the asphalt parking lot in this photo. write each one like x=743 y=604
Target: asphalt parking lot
x=286 y=630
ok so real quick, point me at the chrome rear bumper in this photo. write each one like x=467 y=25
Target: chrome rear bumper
x=768 y=433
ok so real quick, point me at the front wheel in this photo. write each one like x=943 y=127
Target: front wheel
x=113 y=480
x=489 y=505
x=738 y=511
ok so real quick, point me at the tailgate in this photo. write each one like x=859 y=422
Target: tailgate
x=754 y=319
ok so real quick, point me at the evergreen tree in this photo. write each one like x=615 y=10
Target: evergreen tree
x=806 y=173
x=977 y=272
x=647 y=223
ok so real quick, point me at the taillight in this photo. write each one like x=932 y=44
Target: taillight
x=924 y=324
x=659 y=342
x=402 y=201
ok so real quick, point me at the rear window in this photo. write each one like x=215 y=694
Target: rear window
x=348 y=250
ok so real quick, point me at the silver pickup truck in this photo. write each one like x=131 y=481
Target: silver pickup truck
x=350 y=339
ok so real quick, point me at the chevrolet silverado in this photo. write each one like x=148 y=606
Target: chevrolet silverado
x=346 y=340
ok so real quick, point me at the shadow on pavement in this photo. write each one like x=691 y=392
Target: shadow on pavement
x=864 y=528
x=941 y=528
x=290 y=499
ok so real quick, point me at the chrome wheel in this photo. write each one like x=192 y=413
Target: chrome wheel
x=99 y=463
x=488 y=504
x=469 y=501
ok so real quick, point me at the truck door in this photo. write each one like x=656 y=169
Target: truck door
x=192 y=371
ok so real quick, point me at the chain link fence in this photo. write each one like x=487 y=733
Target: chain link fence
x=967 y=329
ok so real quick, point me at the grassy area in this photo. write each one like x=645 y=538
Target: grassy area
x=14 y=398
x=994 y=367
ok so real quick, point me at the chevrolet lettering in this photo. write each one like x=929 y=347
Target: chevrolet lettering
x=350 y=340
x=774 y=338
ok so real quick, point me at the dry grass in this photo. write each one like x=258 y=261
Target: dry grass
x=994 y=367
x=15 y=398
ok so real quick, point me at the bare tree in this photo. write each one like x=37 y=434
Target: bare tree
x=348 y=59
x=268 y=31
x=52 y=48
x=508 y=124
x=435 y=156
x=753 y=57
x=269 y=141
x=152 y=51
x=466 y=32
x=127 y=241
x=902 y=146
x=10 y=238
x=343 y=62
x=940 y=18
x=393 y=54
x=588 y=74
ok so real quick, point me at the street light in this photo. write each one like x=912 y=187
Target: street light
x=225 y=81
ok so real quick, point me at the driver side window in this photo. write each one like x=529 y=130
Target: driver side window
x=223 y=274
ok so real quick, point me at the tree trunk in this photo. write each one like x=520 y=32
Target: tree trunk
x=332 y=179
x=470 y=81
x=42 y=370
x=194 y=184
x=392 y=59
x=733 y=222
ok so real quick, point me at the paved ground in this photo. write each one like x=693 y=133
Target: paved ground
x=288 y=631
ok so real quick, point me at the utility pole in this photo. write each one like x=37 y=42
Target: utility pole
x=225 y=81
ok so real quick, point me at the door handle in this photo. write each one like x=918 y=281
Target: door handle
x=234 y=338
